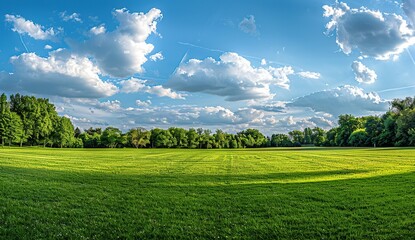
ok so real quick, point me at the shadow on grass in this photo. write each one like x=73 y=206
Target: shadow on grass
x=170 y=178
x=48 y=204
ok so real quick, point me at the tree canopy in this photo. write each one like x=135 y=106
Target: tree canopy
x=30 y=121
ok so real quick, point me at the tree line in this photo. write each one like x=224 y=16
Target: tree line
x=30 y=121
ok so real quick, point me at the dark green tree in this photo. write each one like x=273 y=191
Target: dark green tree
x=347 y=125
x=359 y=138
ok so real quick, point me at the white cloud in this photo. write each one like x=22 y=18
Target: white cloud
x=157 y=57
x=321 y=122
x=290 y=123
x=342 y=100
x=247 y=25
x=90 y=112
x=134 y=85
x=409 y=8
x=373 y=33
x=23 y=26
x=215 y=115
x=232 y=77
x=263 y=62
x=163 y=92
x=48 y=47
x=363 y=74
x=110 y=105
x=143 y=103
x=122 y=52
x=98 y=30
x=310 y=75
x=75 y=17
x=59 y=74
x=277 y=107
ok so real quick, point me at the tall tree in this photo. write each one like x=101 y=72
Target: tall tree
x=404 y=123
x=308 y=133
x=347 y=125
x=192 y=138
x=318 y=136
x=112 y=137
x=179 y=136
x=252 y=138
x=373 y=127
x=63 y=135
x=14 y=132
x=161 y=138
x=139 y=137
x=280 y=140
x=358 y=138
x=297 y=136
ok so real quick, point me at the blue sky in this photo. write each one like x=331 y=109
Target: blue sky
x=271 y=65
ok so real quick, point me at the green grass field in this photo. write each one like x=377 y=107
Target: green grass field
x=167 y=193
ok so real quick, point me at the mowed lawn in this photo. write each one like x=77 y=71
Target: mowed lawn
x=314 y=193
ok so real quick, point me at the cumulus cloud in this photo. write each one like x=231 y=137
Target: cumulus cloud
x=75 y=17
x=310 y=75
x=321 y=122
x=23 y=26
x=91 y=112
x=59 y=74
x=143 y=103
x=290 y=123
x=373 y=33
x=48 y=47
x=98 y=30
x=363 y=74
x=112 y=113
x=342 y=100
x=109 y=105
x=247 y=25
x=232 y=77
x=157 y=57
x=164 y=92
x=134 y=85
x=122 y=52
x=215 y=115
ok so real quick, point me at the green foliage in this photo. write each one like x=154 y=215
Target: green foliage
x=404 y=123
x=373 y=127
x=400 y=105
x=308 y=136
x=252 y=138
x=411 y=134
x=64 y=132
x=112 y=137
x=280 y=140
x=139 y=137
x=161 y=138
x=318 y=136
x=26 y=120
x=359 y=138
x=192 y=138
x=347 y=125
x=297 y=137
x=331 y=137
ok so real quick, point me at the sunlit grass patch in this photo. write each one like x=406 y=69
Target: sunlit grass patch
x=310 y=193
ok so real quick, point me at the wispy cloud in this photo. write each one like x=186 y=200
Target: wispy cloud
x=34 y=30
x=396 y=89
x=75 y=17
x=248 y=25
